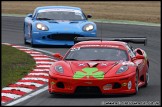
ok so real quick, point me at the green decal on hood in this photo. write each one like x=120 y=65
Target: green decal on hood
x=89 y=72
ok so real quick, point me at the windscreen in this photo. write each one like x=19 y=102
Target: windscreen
x=60 y=14
x=97 y=54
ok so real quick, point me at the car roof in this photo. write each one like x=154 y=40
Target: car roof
x=64 y=7
x=117 y=44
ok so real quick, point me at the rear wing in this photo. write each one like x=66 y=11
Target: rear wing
x=136 y=40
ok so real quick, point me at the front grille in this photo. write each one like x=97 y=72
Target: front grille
x=60 y=85
x=87 y=90
x=116 y=85
x=63 y=36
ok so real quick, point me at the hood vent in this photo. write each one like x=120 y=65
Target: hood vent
x=92 y=64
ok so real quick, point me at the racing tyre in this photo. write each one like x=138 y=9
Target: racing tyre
x=136 y=83
x=32 y=45
x=147 y=79
x=25 y=43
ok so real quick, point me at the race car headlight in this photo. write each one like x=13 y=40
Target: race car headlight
x=41 y=26
x=88 y=27
x=122 y=69
x=59 y=69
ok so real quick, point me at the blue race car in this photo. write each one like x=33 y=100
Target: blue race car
x=57 y=25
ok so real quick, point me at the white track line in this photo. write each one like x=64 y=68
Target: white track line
x=29 y=83
x=27 y=90
x=38 y=55
x=37 y=70
x=44 y=59
x=40 y=58
x=43 y=66
x=13 y=96
x=31 y=52
x=6 y=43
x=43 y=62
x=44 y=74
x=18 y=46
x=23 y=49
x=27 y=96
x=34 y=78
x=51 y=53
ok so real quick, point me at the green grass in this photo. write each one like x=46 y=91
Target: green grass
x=143 y=11
x=15 y=65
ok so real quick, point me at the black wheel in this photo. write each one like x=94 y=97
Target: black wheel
x=25 y=43
x=136 y=83
x=147 y=79
x=32 y=45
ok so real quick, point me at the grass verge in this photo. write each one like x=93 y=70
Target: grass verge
x=143 y=11
x=15 y=65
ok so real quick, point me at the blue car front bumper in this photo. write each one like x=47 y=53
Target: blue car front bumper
x=50 y=38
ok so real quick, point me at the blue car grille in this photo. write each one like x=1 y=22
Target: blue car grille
x=63 y=36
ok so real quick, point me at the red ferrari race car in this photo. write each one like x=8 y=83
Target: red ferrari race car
x=107 y=66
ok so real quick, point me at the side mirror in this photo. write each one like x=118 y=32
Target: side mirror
x=29 y=15
x=89 y=16
x=140 y=57
x=58 y=55
x=138 y=51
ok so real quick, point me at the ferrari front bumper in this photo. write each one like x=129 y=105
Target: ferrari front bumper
x=113 y=85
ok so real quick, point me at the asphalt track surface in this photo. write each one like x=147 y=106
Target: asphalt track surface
x=12 y=32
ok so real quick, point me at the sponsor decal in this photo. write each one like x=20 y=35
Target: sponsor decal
x=124 y=84
x=52 y=83
x=88 y=72
x=107 y=87
x=75 y=49
x=57 y=9
x=81 y=64
x=128 y=63
x=100 y=46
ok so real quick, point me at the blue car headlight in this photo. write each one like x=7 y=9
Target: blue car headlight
x=88 y=27
x=41 y=26
x=122 y=69
x=59 y=69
